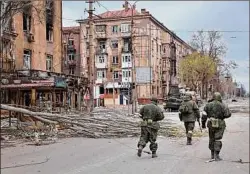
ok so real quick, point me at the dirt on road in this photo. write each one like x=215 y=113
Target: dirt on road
x=118 y=156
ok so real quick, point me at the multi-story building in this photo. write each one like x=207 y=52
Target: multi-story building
x=156 y=54
x=37 y=37
x=71 y=51
x=31 y=53
x=227 y=87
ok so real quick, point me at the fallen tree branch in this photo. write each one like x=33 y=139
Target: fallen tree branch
x=27 y=112
x=100 y=123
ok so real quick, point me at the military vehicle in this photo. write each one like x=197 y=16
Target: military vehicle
x=173 y=100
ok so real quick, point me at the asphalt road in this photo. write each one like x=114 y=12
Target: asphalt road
x=107 y=156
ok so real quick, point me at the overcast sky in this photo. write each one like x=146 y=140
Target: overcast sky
x=185 y=16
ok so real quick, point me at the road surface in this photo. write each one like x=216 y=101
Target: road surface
x=109 y=156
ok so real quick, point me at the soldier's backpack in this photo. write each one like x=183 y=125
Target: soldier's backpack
x=184 y=109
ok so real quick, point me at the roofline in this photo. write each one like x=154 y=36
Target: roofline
x=151 y=17
x=169 y=31
x=75 y=30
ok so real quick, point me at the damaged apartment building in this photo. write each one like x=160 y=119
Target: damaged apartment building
x=156 y=55
x=31 y=58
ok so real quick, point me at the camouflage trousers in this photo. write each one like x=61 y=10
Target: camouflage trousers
x=189 y=126
x=148 y=135
x=203 y=121
x=215 y=136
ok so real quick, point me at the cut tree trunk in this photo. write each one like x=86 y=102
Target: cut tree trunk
x=27 y=112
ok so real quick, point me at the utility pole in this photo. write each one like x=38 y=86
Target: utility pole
x=91 y=54
x=113 y=88
x=1 y=54
x=132 y=58
x=150 y=66
x=133 y=74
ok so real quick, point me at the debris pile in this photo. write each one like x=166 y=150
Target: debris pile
x=101 y=123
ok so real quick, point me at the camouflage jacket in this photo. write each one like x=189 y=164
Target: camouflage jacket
x=193 y=113
x=217 y=109
x=151 y=112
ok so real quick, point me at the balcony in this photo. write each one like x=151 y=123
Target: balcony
x=126 y=34
x=100 y=80
x=163 y=80
x=71 y=62
x=101 y=65
x=125 y=50
x=126 y=79
x=164 y=69
x=165 y=55
x=101 y=51
x=71 y=47
x=101 y=35
x=126 y=64
x=110 y=95
x=126 y=60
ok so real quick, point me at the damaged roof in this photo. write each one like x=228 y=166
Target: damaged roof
x=119 y=13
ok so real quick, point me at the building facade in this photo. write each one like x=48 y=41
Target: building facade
x=153 y=49
x=36 y=38
x=31 y=58
x=71 y=51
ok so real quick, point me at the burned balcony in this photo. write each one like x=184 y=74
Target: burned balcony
x=164 y=81
x=127 y=46
x=101 y=35
x=101 y=51
x=71 y=47
x=126 y=50
x=101 y=32
x=71 y=63
x=165 y=51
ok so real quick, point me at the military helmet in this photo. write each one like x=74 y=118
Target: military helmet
x=187 y=97
x=217 y=96
x=154 y=99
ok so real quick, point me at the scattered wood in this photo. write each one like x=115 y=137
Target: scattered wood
x=100 y=123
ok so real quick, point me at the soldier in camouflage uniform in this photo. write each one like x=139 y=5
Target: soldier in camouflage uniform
x=216 y=112
x=204 y=116
x=150 y=114
x=189 y=113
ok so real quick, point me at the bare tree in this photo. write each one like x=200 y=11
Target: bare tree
x=12 y=8
x=210 y=43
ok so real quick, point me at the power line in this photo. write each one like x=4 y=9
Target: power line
x=221 y=31
x=106 y=8
x=177 y=30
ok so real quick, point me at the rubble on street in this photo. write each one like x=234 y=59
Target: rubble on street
x=100 y=123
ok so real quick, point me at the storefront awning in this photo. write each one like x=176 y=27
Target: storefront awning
x=28 y=85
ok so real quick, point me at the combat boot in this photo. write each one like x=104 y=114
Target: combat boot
x=212 y=154
x=139 y=151
x=154 y=155
x=217 y=156
x=189 y=141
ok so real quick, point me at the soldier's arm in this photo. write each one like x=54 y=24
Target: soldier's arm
x=180 y=107
x=206 y=111
x=160 y=116
x=204 y=116
x=227 y=112
x=196 y=110
x=141 y=112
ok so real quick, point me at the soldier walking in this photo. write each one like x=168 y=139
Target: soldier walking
x=189 y=113
x=204 y=116
x=216 y=112
x=150 y=114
